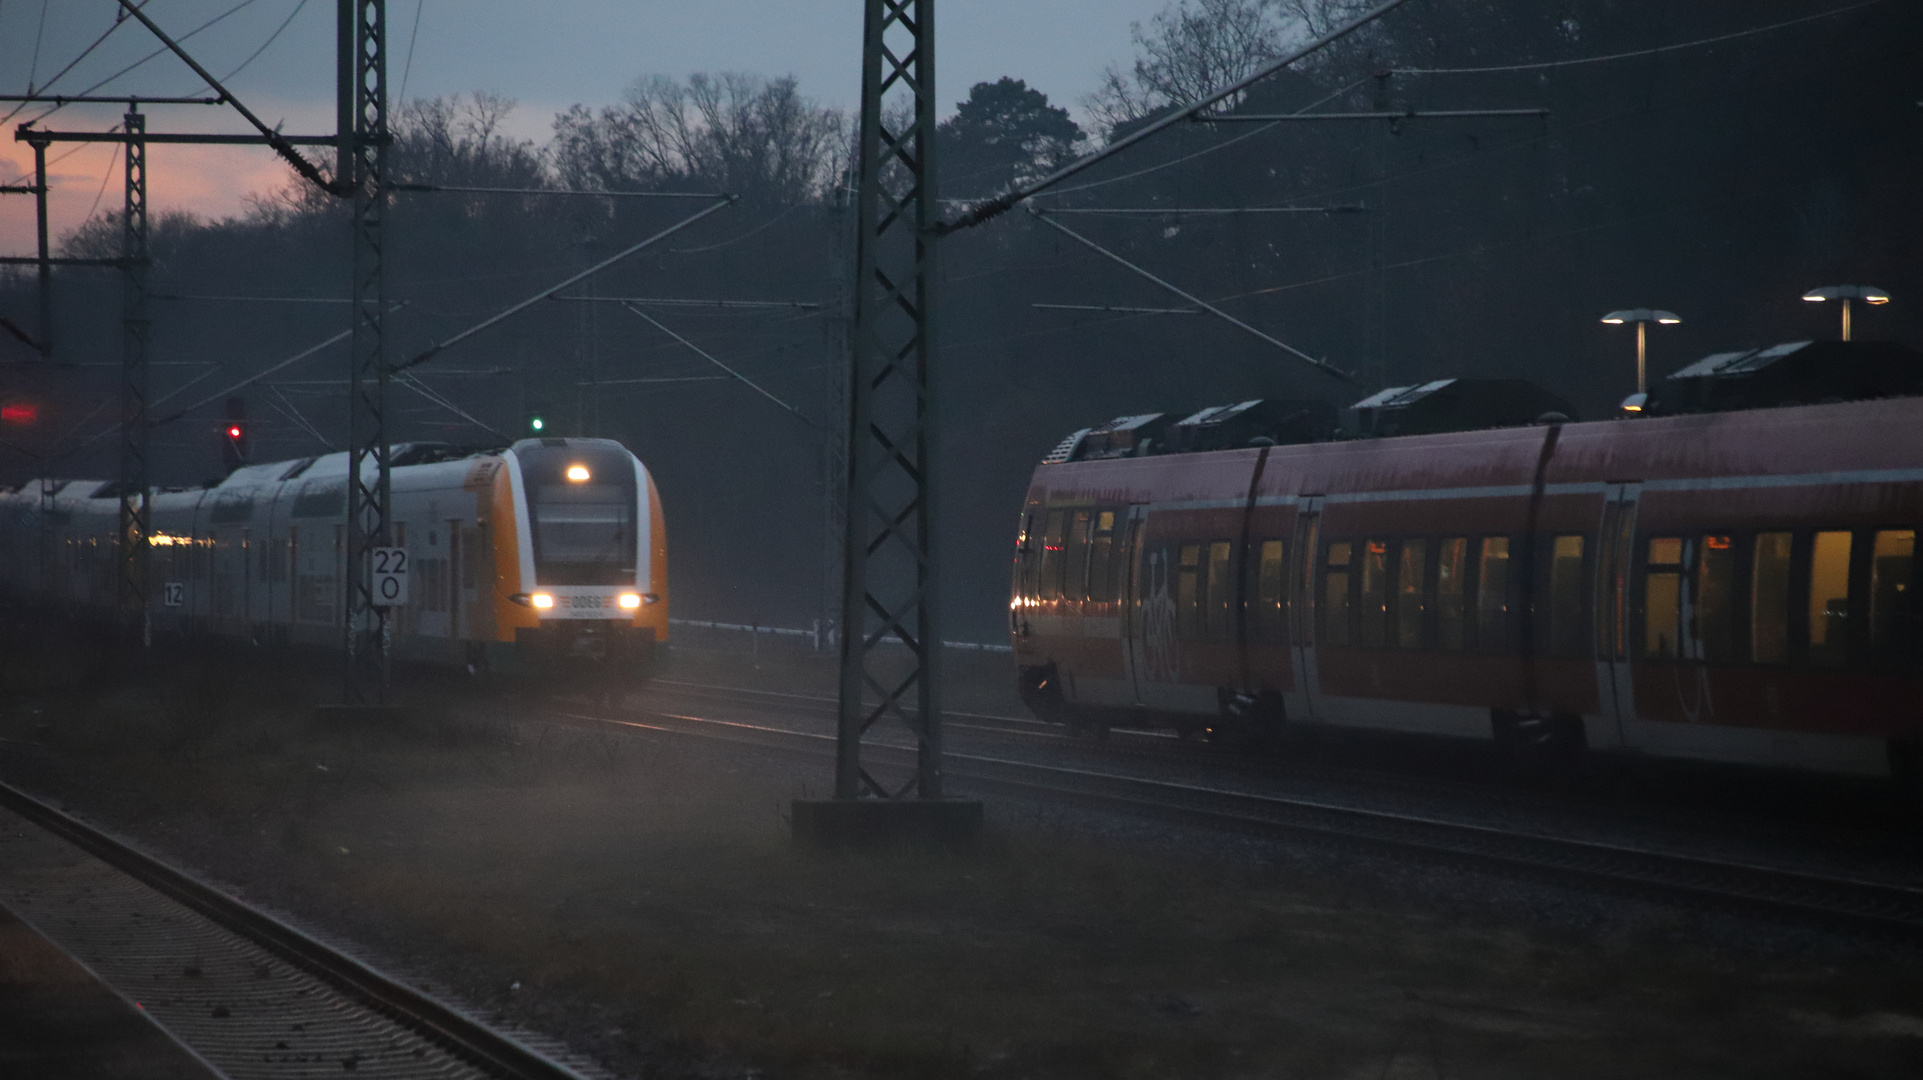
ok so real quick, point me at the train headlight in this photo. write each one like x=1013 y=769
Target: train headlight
x=630 y=600
x=541 y=600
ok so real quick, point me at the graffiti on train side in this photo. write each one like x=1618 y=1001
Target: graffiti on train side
x=1160 y=660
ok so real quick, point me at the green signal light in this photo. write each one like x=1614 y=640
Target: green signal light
x=537 y=423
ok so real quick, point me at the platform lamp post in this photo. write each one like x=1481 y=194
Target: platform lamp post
x=1642 y=317
x=1869 y=294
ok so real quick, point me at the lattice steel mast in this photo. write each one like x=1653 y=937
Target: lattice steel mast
x=132 y=552
x=363 y=163
x=890 y=568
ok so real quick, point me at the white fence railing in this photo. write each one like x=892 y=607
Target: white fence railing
x=821 y=636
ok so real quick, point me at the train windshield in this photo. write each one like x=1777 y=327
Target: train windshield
x=582 y=507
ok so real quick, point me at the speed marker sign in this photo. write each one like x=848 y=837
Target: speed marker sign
x=390 y=576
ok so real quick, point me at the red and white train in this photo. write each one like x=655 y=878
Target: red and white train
x=1729 y=585
x=527 y=558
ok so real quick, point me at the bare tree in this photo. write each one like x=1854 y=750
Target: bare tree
x=458 y=141
x=1193 y=48
x=738 y=133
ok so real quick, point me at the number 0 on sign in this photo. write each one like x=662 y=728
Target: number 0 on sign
x=390 y=576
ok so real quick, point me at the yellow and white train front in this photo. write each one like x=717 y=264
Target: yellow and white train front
x=587 y=561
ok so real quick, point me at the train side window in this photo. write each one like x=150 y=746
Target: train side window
x=1048 y=582
x=1335 y=594
x=1492 y=594
x=1829 y=599
x=1663 y=597
x=1715 y=600
x=1452 y=615
x=1075 y=557
x=1372 y=608
x=1271 y=598
x=1221 y=592
x=1187 y=599
x=1565 y=596
x=1769 y=598
x=1100 y=547
x=1122 y=559
x=1893 y=614
x=1411 y=592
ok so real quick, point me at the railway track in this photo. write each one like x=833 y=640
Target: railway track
x=248 y=994
x=1858 y=902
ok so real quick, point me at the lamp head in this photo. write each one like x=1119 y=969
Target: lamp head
x=1869 y=294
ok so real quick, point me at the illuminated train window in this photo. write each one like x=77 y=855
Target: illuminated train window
x=1716 y=630
x=1565 y=596
x=1075 y=556
x=1187 y=597
x=1829 y=599
x=1663 y=597
x=1492 y=594
x=1335 y=595
x=1100 y=546
x=1372 y=610
x=1452 y=608
x=1893 y=612
x=1271 y=594
x=1411 y=590
x=1769 y=598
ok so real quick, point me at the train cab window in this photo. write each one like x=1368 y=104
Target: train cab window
x=1893 y=615
x=1769 y=598
x=1565 y=596
x=1372 y=609
x=1219 y=619
x=1663 y=597
x=1492 y=594
x=1715 y=600
x=1829 y=599
x=1187 y=598
x=1075 y=556
x=1335 y=594
x=1411 y=592
x=1271 y=596
x=1452 y=609
x=1100 y=547
x=1048 y=584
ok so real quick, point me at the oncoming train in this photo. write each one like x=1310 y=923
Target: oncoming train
x=1725 y=582
x=547 y=552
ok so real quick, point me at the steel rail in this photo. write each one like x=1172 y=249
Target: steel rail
x=490 y=1050
x=1856 y=901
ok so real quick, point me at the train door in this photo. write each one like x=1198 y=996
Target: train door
x=1135 y=616
x=1301 y=701
x=1614 y=690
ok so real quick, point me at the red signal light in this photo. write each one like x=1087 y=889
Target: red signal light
x=19 y=412
x=233 y=432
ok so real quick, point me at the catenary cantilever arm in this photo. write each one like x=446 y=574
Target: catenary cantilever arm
x=1003 y=203
x=281 y=146
x=1320 y=365
x=432 y=351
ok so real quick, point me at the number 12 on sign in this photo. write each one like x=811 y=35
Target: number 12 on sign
x=390 y=576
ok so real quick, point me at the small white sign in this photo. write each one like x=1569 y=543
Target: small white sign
x=390 y=576
x=173 y=593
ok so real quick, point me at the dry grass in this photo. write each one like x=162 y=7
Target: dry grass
x=646 y=899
